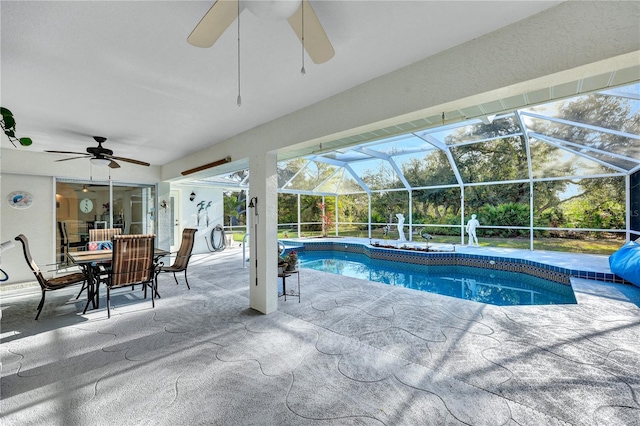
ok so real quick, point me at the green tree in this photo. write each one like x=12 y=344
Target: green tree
x=232 y=206
x=287 y=208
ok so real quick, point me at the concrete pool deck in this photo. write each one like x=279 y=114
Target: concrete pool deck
x=351 y=352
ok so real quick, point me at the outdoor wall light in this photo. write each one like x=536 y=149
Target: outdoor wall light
x=192 y=196
x=163 y=204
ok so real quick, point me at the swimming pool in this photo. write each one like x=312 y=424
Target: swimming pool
x=502 y=288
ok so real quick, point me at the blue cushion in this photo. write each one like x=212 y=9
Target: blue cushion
x=625 y=262
x=99 y=245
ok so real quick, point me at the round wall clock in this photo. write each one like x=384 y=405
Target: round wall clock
x=20 y=199
x=86 y=205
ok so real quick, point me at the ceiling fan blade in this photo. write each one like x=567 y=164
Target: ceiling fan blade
x=316 y=42
x=114 y=165
x=214 y=23
x=71 y=158
x=68 y=152
x=130 y=160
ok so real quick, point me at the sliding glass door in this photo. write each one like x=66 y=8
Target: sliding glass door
x=85 y=205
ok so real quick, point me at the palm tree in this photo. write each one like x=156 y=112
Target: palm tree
x=231 y=205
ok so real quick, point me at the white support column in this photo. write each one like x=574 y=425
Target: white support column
x=263 y=286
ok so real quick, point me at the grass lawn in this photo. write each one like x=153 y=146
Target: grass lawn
x=590 y=246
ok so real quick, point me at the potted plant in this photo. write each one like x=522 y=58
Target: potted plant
x=292 y=260
x=8 y=124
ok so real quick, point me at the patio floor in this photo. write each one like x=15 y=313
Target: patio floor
x=351 y=352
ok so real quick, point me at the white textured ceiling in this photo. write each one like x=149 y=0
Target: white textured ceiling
x=123 y=69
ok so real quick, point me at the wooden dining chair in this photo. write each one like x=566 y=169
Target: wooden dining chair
x=103 y=234
x=181 y=262
x=48 y=284
x=132 y=263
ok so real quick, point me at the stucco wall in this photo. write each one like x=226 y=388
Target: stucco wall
x=35 y=222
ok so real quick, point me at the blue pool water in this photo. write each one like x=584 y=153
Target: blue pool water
x=482 y=285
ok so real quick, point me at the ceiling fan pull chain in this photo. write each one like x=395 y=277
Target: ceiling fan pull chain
x=303 y=71
x=239 y=100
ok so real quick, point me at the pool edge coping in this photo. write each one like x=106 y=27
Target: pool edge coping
x=534 y=268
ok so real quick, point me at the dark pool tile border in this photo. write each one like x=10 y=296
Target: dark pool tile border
x=529 y=267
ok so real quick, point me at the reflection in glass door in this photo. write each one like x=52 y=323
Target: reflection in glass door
x=85 y=205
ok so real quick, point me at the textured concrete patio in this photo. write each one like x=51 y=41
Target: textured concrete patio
x=351 y=353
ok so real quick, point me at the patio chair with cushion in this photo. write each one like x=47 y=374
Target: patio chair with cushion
x=132 y=263
x=103 y=234
x=48 y=284
x=183 y=255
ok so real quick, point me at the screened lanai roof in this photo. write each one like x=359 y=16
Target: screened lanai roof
x=592 y=135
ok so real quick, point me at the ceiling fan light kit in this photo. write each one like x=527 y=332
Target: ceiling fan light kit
x=273 y=10
x=100 y=162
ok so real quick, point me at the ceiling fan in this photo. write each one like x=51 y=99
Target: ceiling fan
x=99 y=156
x=223 y=12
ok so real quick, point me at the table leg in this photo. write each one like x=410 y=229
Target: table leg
x=93 y=293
